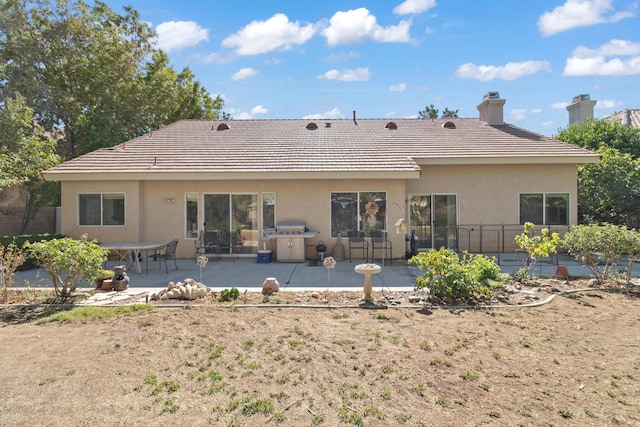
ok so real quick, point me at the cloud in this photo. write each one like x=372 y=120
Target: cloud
x=595 y=62
x=579 y=13
x=331 y=114
x=509 y=71
x=518 y=114
x=340 y=57
x=175 y=35
x=258 y=109
x=559 y=105
x=243 y=115
x=614 y=47
x=398 y=88
x=607 y=103
x=244 y=73
x=357 y=26
x=276 y=32
x=413 y=7
x=349 y=75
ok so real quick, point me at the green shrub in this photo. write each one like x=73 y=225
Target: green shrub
x=596 y=245
x=69 y=261
x=229 y=294
x=453 y=277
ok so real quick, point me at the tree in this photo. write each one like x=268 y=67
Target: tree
x=81 y=68
x=25 y=151
x=172 y=96
x=431 y=112
x=595 y=134
x=608 y=191
x=446 y=113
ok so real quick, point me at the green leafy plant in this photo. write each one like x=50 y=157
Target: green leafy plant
x=229 y=294
x=452 y=277
x=536 y=246
x=600 y=246
x=69 y=261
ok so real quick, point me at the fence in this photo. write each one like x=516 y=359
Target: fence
x=11 y=219
x=479 y=238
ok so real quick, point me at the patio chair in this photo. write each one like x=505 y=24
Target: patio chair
x=208 y=243
x=166 y=252
x=357 y=242
x=380 y=241
x=237 y=243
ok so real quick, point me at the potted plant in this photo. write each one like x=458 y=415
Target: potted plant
x=102 y=276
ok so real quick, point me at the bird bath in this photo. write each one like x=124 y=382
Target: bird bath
x=367 y=270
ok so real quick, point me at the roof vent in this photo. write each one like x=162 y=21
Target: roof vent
x=312 y=126
x=449 y=125
x=391 y=125
x=491 y=95
x=222 y=126
x=327 y=124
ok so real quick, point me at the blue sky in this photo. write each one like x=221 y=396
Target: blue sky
x=324 y=59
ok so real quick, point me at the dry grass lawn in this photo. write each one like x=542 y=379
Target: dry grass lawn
x=572 y=362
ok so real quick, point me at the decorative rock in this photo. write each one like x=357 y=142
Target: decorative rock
x=315 y=294
x=188 y=290
x=270 y=285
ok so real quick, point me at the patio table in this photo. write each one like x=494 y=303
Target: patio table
x=130 y=252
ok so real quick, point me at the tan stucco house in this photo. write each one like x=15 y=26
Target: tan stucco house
x=467 y=184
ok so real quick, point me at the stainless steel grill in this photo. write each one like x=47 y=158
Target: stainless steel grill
x=290 y=237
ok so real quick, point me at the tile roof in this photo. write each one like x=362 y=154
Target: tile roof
x=197 y=149
x=627 y=117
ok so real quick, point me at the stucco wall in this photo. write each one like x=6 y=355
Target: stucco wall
x=162 y=220
x=489 y=194
x=486 y=194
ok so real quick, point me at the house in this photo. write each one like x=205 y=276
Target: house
x=627 y=117
x=467 y=184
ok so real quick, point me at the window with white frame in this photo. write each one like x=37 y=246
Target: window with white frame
x=544 y=208
x=358 y=211
x=191 y=215
x=268 y=210
x=101 y=209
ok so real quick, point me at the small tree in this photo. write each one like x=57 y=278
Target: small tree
x=605 y=244
x=10 y=259
x=536 y=247
x=69 y=261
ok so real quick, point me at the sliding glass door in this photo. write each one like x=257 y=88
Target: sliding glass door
x=434 y=218
x=235 y=216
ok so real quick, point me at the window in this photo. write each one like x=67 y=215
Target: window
x=363 y=211
x=191 y=215
x=268 y=210
x=544 y=208
x=101 y=209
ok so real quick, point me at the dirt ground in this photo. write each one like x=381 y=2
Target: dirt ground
x=574 y=360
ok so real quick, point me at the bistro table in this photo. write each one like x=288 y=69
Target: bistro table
x=130 y=252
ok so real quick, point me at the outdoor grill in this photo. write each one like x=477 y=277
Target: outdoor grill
x=290 y=237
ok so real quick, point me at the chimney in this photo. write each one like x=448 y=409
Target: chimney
x=581 y=109
x=491 y=109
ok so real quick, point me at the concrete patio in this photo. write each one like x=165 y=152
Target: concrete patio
x=247 y=274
